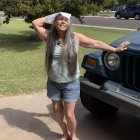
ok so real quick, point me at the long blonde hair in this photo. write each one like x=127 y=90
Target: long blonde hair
x=69 y=52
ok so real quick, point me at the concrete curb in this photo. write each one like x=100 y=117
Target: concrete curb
x=105 y=27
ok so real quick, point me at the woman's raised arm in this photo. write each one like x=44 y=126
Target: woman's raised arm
x=38 y=25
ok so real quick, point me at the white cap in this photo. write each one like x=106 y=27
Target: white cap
x=50 y=18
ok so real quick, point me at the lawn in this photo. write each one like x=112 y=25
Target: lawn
x=22 y=60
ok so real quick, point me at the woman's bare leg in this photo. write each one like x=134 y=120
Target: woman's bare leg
x=59 y=113
x=71 y=120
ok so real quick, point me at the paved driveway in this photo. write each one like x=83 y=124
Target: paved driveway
x=30 y=117
x=27 y=117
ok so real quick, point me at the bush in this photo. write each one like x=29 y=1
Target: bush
x=92 y=9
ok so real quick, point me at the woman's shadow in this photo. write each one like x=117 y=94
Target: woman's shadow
x=29 y=122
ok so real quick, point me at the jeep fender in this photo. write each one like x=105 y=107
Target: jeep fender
x=99 y=68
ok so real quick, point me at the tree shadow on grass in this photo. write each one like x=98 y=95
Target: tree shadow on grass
x=19 y=42
x=29 y=122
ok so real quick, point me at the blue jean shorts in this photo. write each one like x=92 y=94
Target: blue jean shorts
x=68 y=92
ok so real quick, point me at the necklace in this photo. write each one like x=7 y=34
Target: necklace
x=58 y=42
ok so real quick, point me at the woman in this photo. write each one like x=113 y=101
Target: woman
x=63 y=86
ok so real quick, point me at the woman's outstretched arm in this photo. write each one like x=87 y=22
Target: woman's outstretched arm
x=96 y=44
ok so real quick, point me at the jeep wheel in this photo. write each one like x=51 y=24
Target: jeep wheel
x=137 y=17
x=96 y=106
x=118 y=16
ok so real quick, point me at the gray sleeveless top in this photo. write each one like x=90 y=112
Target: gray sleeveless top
x=58 y=73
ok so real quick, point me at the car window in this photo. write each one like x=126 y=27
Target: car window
x=123 y=10
x=131 y=8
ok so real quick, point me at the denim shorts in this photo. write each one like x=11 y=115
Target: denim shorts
x=68 y=92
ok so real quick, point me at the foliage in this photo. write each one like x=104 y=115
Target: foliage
x=132 y=2
x=103 y=4
x=1 y=5
x=109 y=4
x=92 y=9
x=128 y=2
x=98 y=2
x=31 y=9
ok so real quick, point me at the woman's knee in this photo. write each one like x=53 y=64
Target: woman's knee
x=69 y=111
x=57 y=107
x=58 y=110
x=70 y=115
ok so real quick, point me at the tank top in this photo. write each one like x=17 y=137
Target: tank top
x=58 y=73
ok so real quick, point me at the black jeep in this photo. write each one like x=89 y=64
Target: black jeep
x=112 y=80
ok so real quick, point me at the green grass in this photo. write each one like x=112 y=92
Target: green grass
x=22 y=60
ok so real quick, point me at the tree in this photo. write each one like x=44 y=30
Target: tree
x=31 y=9
x=1 y=5
x=110 y=3
x=128 y=2
x=132 y=2
x=103 y=4
x=98 y=2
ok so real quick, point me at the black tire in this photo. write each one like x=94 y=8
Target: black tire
x=97 y=107
x=137 y=16
x=118 y=16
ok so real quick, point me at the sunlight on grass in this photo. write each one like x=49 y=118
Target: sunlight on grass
x=22 y=60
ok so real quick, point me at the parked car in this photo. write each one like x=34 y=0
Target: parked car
x=112 y=80
x=129 y=12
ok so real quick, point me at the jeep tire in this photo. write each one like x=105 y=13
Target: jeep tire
x=96 y=106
